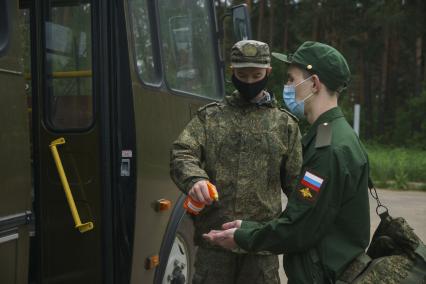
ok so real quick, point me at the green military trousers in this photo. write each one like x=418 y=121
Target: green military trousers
x=216 y=266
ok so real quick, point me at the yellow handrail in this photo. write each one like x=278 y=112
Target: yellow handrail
x=65 y=74
x=82 y=227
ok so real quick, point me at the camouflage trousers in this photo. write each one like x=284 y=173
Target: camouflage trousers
x=215 y=266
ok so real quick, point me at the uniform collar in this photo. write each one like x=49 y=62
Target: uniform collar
x=327 y=116
x=235 y=99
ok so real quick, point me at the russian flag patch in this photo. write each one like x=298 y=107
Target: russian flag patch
x=312 y=181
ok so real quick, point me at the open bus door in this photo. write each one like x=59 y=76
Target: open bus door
x=15 y=171
x=68 y=146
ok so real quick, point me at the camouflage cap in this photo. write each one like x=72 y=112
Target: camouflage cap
x=250 y=53
x=322 y=60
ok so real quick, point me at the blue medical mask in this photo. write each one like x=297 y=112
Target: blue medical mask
x=289 y=96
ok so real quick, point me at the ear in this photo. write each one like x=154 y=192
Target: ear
x=268 y=71
x=316 y=87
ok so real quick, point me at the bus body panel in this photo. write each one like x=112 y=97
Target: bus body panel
x=15 y=171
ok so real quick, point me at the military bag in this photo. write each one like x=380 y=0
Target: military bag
x=395 y=255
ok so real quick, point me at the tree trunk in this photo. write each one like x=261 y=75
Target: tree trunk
x=392 y=100
x=384 y=80
x=315 y=21
x=271 y=23
x=418 y=77
x=260 y=21
x=368 y=109
x=248 y=3
x=285 y=37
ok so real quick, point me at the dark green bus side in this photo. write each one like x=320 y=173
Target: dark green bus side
x=117 y=80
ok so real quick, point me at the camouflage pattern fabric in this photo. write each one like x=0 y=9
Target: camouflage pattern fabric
x=213 y=266
x=354 y=268
x=240 y=148
x=387 y=270
x=398 y=256
x=394 y=236
x=250 y=53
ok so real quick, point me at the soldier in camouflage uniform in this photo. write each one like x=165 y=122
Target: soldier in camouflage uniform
x=249 y=149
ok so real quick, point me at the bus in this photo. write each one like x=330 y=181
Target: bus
x=92 y=95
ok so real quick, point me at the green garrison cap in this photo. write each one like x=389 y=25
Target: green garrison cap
x=323 y=60
x=250 y=53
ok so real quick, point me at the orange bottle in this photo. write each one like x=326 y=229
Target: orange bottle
x=194 y=207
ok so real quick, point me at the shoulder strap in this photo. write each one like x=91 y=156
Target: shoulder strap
x=289 y=114
x=324 y=133
x=374 y=194
x=421 y=251
x=212 y=104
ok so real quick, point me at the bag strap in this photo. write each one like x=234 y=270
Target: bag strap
x=421 y=251
x=374 y=194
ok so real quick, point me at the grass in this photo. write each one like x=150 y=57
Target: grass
x=397 y=168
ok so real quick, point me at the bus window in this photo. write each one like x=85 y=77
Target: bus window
x=145 y=61
x=69 y=65
x=187 y=47
x=4 y=26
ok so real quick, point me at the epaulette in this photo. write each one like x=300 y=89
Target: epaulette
x=208 y=110
x=289 y=113
x=208 y=106
x=324 y=133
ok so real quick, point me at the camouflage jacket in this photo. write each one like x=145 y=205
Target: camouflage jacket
x=242 y=148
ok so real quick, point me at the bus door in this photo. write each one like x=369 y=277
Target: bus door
x=15 y=171
x=67 y=145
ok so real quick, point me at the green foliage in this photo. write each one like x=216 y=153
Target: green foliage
x=410 y=125
x=380 y=40
x=401 y=176
x=397 y=167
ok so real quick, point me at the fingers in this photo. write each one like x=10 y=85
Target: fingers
x=214 y=236
x=199 y=192
x=233 y=224
x=205 y=192
x=222 y=238
x=196 y=194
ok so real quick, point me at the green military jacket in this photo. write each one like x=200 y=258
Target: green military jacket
x=240 y=147
x=326 y=223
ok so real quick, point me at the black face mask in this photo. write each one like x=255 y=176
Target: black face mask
x=249 y=91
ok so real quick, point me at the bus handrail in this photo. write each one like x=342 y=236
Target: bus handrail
x=82 y=227
x=66 y=74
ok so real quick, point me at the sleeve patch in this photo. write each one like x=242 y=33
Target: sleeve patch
x=309 y=186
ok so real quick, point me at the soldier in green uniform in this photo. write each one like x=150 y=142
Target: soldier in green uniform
x=249 y=149
x=326 y=224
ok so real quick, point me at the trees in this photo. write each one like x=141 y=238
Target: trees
x=384 y=42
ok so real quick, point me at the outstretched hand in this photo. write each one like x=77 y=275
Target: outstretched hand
x=224 y=238
x=234 y=224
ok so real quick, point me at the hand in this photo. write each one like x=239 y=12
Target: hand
x=223 y=238
x=199 y=192
x=234 y=224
